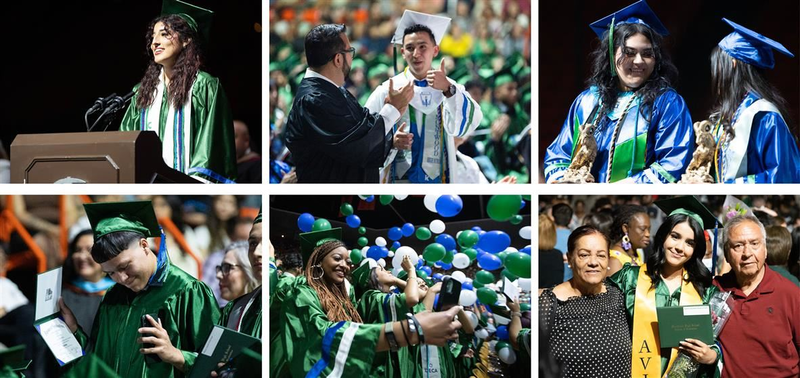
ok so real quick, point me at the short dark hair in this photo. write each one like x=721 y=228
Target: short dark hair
x=418 y=28
x=323 y=43
x=562 y=214
x=292 y=261
x=625 y=214
x=111 y=245
x=582 y=231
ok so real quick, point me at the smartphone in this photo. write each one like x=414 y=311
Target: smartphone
x=149 y=358
x=448 y=297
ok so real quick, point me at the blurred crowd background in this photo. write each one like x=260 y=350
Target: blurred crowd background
x=487 y=49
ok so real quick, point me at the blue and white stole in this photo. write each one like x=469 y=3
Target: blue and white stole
x=176 y=133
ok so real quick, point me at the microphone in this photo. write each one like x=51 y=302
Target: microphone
x=118 y=102
x=100 y=103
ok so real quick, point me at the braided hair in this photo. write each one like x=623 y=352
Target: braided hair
x=333 y=297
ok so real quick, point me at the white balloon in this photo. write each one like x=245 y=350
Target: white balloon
x=492 y=344
x=402 y=252
x=396 y=270
x=481 y=334
x=430 y=201
x=380 y=241
x=400 y=197
x=459 y=276
x=524 y=284
x=511 y=250
x=467 y=298
x=525 y=232
x=391 y=254
x=363 y=196
x=460 y=260
x=491 y=328
x=364 y=250
x=473 y=318
x=507 y=355
x=437 y=226
x=382 y=263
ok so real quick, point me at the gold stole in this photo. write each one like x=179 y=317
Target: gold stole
x=646 y=356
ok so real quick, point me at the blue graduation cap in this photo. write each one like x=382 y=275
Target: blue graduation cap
x=751 y=47
x=636 y=13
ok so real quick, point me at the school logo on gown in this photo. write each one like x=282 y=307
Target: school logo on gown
x=426 y=99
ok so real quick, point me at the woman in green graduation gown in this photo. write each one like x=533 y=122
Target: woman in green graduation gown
x=322 y=334
x=674 y=275
x=185 y=106
x=180 y=309
x=377 y=304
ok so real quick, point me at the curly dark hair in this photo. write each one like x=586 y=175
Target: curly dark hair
x=664 y=75
x=698 y=274
x=186 y=65
x=334 y=298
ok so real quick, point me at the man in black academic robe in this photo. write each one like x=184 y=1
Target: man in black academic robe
x=333 y=138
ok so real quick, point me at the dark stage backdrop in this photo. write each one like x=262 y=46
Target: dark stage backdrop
x=566 y=41
x=60 y=56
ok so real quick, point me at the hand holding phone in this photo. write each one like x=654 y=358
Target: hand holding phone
x=448 y=297
x=145 y=323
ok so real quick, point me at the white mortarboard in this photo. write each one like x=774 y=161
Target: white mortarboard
x=437 y=24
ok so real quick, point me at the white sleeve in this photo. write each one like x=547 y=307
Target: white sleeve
x=465 y=113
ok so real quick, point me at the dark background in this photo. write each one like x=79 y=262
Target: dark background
x=695 y=27
x=378 y=219
x=60 y=56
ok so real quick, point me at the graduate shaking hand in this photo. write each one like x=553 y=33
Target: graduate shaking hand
x=162 y=346
x=437 y=79
x=401 y=97
x=402 y=138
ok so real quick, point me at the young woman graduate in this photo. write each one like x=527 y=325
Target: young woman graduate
x=643 y=129
x=179 y=309
x=322 y=334
x=753 y=142
x=674 y=275
x=185 y=106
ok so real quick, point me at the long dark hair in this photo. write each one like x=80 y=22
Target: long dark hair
x=730 y=84
x=69 y=266
x=334 y=298
x=663 y=77
x=699 y=275
x=186 y=66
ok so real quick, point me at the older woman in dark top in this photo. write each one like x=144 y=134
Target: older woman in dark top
x=584 y=318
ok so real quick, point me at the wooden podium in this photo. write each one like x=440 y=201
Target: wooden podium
x=92 y=158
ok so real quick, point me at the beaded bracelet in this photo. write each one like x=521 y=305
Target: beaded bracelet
x=419 y=329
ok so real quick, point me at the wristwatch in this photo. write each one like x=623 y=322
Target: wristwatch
x=450 y=90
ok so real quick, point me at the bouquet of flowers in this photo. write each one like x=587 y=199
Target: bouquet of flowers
x=721 y=305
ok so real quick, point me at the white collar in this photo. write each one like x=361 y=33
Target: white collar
x=310 y=73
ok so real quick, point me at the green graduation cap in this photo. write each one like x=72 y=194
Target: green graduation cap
x=108 y=217
x=258 y=217
x=13 y=360
x=690 y=206
x=311 y=240
x=361 y=275
x=199 y=19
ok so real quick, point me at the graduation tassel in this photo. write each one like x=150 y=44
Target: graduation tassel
x=611 y=47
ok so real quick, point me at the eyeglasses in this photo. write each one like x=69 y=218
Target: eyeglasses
x=755 y=245
x=351 y=50
x=631 y=53
x=225 y=268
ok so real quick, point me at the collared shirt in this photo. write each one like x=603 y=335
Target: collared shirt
x=389 y=113
x=762 y=335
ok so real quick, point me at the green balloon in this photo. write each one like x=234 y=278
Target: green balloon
x=362 y=230
x=502 y=207
x=422 y=274
x=423 y=233
x=519 y=263
x=386 y=199
x=362 y=241
x=434 y=252
x=515 y=220
x=472 y=253
x=487 y=296
x=484 y=277
x=468 y=238
x=502 y=256
x=355 y=256
x=524 y=306
x=501 y=345
x=527 y=197
x=448 y=257
x=321 y=224
x=346 y=209
x=430 y=263
x=477 y=284
x=507 y=274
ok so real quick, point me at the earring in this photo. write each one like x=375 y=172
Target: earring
x=626 y=242
x=322 y=272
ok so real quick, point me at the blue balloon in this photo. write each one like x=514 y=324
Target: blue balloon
x=489 y=262
x=395 y=233
x=420 y=263
x=435 y=300
x=476 y=229
x=522 y=204
x=384 y=252
x=374 y=252
x=466 y=286
x=353 y=221
x=445 y=266
x=437 y=276
x=502 y=333
x=426 y=269
x=408 y=229
x=494 y=241
x=447 y=241
x=526 y=250
x=449 y=205
x=370 y=199
x=305 y=222
x=395 y=245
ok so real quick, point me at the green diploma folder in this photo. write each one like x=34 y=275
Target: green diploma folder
x=222 y=345
x=676 y=324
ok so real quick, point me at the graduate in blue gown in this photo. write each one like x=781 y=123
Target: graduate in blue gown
x=753 y=142
x=643 y=128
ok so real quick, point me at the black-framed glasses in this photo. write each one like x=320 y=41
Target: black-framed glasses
x=225 y=268
x=351 y=50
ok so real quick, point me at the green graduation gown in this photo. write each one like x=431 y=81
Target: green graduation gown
x=319 y=347
x=282 y=289
x=210 y=149
x=251 y=320
x=378 y=307
x=625 y=279
x=187 y=309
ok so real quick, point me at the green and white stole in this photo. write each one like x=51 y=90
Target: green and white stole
x=176 y=134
